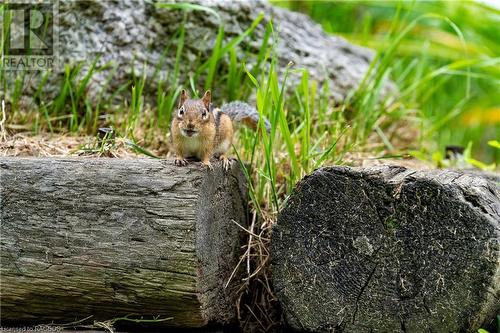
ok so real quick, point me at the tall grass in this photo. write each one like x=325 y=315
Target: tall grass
x=293 y=147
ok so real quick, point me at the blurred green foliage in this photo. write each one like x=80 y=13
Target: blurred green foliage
x=447 y=66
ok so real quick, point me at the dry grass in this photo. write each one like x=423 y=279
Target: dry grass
x=64 y=145
x=257 y=306
x=24 y=145
x=364 y=159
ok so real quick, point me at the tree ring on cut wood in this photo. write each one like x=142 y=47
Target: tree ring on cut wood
x=388 y=249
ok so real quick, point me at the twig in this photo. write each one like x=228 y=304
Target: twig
x=262 y=265
x=108 y=325
x=235 y=269
x=3 y=132
x=250 y=232
x=75 y=323
x=250 y=242
x=257 y=318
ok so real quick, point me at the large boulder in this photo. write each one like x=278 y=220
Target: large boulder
x=133 y=35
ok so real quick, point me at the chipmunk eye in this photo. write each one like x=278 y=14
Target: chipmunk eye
x=181 y=111
x=204 y=114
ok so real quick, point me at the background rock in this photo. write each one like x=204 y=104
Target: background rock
x=137 y=32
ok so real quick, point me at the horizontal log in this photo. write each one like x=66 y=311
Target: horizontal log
x=387 y=249
x=109 y=238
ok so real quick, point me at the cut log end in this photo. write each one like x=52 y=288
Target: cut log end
x=109 y=238
x=388 y=249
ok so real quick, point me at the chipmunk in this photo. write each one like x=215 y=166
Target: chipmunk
x=201 y=131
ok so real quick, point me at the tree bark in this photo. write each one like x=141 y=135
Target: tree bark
x=110 y=238
x=387 y=249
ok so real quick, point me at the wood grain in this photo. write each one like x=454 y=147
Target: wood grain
x=111 y=237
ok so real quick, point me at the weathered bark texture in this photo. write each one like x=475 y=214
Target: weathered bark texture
x=110 y=237
x=132 y=33
x=388 y=249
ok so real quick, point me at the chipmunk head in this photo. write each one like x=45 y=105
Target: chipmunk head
x=192 y=114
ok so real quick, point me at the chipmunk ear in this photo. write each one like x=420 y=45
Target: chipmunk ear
x=184 y=97
x=207 y=99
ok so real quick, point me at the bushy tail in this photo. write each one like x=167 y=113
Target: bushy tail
x=243 y=113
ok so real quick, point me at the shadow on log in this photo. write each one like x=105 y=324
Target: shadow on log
x=110 y=237
x=388 y=250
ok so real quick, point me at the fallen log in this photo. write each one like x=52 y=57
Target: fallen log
x=387 y=249
x=110 y=238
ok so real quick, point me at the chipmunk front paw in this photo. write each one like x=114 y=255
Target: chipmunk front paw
x=180 y=162
x=226 y=163
x=208 y=164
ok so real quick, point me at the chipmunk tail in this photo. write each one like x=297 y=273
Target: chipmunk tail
x=245 y=114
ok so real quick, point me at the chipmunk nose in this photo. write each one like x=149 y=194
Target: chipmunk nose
x=190 y=126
